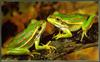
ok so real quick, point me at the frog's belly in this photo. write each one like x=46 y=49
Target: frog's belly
x=74 y=27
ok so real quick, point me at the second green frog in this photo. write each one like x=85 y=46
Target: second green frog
x=70 y=22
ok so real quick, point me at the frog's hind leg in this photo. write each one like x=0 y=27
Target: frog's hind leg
x=18 y=51
x=86 y=25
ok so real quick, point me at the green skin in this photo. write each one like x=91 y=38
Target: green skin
x=21 y=43
x=68 y=23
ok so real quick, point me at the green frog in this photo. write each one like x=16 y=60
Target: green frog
x=21 y=43
x=70 y=22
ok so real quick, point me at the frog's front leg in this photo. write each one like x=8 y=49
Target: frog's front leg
x=37 y=40
x=40 y=47
x=86 y=25
x=66 y=33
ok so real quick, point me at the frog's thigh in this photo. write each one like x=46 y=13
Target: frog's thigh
x=86 y=25
x=18 y=51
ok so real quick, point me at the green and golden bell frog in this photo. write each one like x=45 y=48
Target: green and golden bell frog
x=70 y=22
x=21 y=43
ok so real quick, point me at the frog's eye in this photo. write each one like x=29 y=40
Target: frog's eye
x=58 y=19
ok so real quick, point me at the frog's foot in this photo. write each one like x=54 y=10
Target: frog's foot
x=57 y=36
x=30 y=54
x=47 y=46
x=34 y=52
x=84 y=34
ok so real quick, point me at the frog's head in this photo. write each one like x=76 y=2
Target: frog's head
x=53 y=20
x=56 y=18
x=57 y=21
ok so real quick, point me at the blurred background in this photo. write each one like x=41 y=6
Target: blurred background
x=17 y=15
x=14 y=13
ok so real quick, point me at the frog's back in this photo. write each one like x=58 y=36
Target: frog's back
x=24 y=36
x=71 y=18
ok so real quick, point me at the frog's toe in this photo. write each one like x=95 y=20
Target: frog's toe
x=56 y=37
x=84 y=34
x=34 y=52
x=47 y=46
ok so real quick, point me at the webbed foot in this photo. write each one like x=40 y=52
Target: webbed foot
x=35 y=52
x=84 y=34
x=47 y=46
